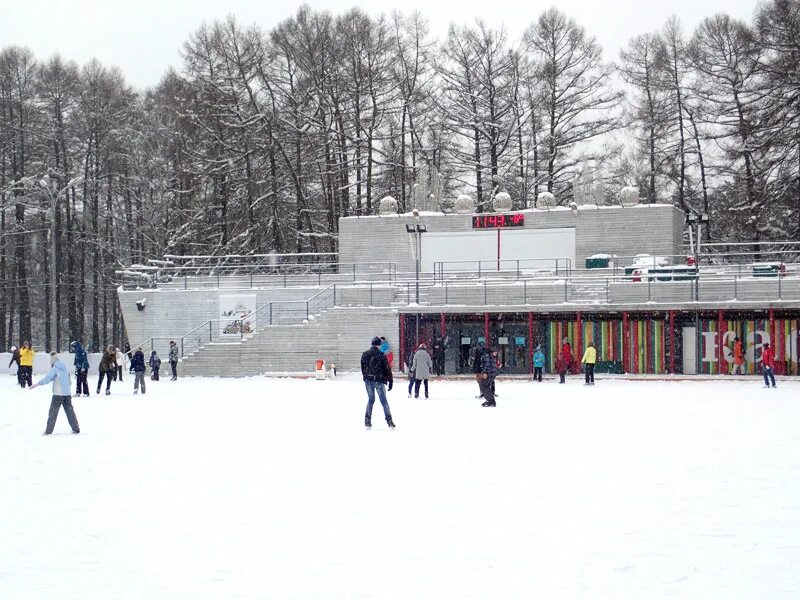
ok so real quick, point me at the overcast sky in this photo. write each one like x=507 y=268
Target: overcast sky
x=144 y=37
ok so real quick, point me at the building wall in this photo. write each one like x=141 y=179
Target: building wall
x=655 y=229
x=169 y=314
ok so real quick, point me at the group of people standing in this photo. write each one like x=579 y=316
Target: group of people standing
x=767 y=362
x=23 y=356
x=111 y=367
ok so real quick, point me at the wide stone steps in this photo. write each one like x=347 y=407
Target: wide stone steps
x=337 y=335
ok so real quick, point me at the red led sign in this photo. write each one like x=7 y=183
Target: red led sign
x=493 y=221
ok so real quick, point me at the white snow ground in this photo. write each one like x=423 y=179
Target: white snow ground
x=258 y=488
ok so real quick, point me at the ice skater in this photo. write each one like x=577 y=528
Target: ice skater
x=421 y=367
x=62 y=386
x=15 y=359
x=26 y=355
x=138 y=369
x=486 y=378
x=538 y=364
x=376 y=373
x=589 y=361
x=81 y=369
x=564 y=361
x=108 y=368
x=173 y=360
x=768 y=365
x=155 y=365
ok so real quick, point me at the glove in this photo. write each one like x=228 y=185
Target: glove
x=391 y=383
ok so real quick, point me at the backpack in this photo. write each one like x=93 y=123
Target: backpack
x=156 y=362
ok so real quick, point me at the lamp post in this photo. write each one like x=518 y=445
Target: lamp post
x=44 y=183
x=416 y=229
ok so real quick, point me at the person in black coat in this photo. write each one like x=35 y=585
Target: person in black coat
x=137 y=368
x=15 y=359
x=487 y=375
x=376 y=373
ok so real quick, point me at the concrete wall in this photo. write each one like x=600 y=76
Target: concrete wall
x=645 y=229
x=169 y=314
x=41 y=363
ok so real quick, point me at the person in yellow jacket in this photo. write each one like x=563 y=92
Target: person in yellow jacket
x=26 y=364
x=589 y=360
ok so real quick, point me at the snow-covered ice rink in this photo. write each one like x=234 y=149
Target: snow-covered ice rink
x=272 y=488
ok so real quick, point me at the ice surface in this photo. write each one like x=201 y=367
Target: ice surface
x=257 y=488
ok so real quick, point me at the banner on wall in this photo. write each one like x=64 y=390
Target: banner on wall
x=753 y=334
x=236 y=316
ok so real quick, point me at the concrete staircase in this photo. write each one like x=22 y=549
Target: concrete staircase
x=336 y=335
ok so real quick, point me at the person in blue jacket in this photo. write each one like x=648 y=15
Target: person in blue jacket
x=155 y=365
x=538 y=364
x=81 y=369
x=138 y=368
x=62 y=385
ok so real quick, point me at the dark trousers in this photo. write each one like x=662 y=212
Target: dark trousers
x=25 y=376
x=107 y=376
x=19 y=376
x=417 y=383
x=769 y=375
x=411 y=381
x=174 y=365
x=589 y=373
x=372 y=387
x=487 y=390
x=537 y=373
x=562 y=377
x=83 y=383
x=56 y=403
x=155 y=373
x=118 y=374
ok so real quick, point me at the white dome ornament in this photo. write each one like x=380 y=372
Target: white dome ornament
x=629 y=196
x=388 y=206
x=546 y=200
x=464 y=205
x=502 y=202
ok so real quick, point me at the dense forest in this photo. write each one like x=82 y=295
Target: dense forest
x=260 y=140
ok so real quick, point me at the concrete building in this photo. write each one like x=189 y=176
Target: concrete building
x=617 y=276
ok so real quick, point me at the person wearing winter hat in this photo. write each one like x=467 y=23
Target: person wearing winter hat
x=81 y=369
x=422 y=367
x=59 y=375
x=376 y=373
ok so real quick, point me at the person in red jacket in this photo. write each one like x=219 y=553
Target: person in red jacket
x=768 y=365
x=564 y=361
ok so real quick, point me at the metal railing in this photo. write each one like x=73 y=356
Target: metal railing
x=521 y=266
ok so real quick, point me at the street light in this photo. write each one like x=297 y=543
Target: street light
x=44 y=184
x=417 y=229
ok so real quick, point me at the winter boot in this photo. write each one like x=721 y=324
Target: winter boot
x=108 y=392
x=390 y=423
x=368 y=422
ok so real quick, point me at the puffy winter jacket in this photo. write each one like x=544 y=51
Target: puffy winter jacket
x=422 y=365
x=538 y=359
x=173 y=353
x=375 y=366
x=26 y=357
x=488 y=365
x=108 y=363
x=59 y=375
x=590 y=356
x=155 y=361
x=81 y=358
x=137 y=362
x=14 y=358
x=768 y=358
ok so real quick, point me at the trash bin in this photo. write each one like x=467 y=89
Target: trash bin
x=320 y=371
